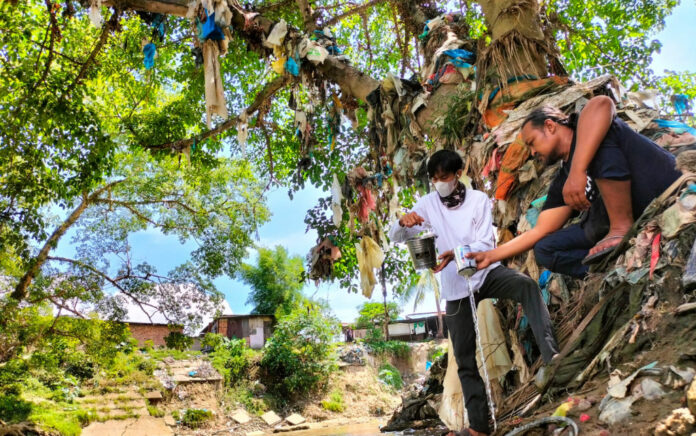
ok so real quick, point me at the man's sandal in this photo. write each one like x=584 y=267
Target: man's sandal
x=593 y=258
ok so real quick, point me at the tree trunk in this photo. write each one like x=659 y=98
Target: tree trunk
x=440 y=327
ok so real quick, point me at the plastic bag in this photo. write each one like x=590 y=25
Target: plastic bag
x=452 y=411
x=370 y=256
x=242 y=132
x=277 y=35
x=336 y=199
x=214 y=94
x=149 y=52
x=316 y=54
x=493 y=341
x=95 y=13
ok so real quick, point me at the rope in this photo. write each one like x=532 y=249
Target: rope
x=544 y=421
x=491 y=406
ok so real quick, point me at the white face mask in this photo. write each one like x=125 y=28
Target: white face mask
x=445 y=188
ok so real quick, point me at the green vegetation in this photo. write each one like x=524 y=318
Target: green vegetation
x=371 y=314
x=389 y=348
x=230 y=357
x=195 y=418
x=178 y=341
x=335 y=402
x=389 y=375
x=155 y=411
x=275 y=280
x=298 y=358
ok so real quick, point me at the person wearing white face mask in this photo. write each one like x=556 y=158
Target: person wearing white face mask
x=461 y=216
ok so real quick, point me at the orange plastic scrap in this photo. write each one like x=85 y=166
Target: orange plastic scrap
x=507 y=98
x=516 y=154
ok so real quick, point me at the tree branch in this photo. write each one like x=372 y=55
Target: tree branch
x=106 y=28
x=113 y=282
x=307 y=15
x=350 y=12
x=37 y=262
x=268 y=91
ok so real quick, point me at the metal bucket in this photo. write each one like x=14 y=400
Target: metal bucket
x=422 y=250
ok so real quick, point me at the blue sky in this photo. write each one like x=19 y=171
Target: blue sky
x=287 y=227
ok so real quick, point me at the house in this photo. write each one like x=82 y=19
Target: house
x=414 y=327
x=155 y=332
x=255 y=329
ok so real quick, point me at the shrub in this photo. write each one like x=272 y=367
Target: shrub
x=194 y=418
x=178 y=341
x=232 y=358
x=390 y=376
x=154 y=411
x=334 y=403
x=298 y=357
x=393 y=348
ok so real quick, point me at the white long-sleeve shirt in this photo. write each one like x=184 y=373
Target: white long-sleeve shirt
x=469 y=224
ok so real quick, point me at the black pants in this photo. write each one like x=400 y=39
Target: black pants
x=501 y=282
x=562 y=251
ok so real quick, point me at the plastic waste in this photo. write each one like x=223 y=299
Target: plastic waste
x=277 y=35
x=210 y=30
x=149 y=52
x=95 y=13
x=292 y=67
x=452 y=411
x=278 y=65
x=242 y=132
x=370 y=256
x=650 y=389
x=689 y=276
x=614 y=411
x=336 y=199
x=316 y=54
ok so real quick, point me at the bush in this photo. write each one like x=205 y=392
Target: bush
x=232 y=358
x=178 y=341
x=298 y=357
x=334 y=403
x=154 y=411
x=194 y=418
x=392 y=348
x=390 y=376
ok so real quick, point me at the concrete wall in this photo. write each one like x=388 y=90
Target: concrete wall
x=154 y=333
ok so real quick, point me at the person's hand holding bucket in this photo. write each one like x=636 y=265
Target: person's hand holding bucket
x=411 y=219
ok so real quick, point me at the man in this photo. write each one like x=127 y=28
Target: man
x=461 y=216
x=609 y=172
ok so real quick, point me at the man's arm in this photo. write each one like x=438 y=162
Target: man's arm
x=549 y=221
x=593 y=124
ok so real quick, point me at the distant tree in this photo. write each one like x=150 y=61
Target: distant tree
x=275 y=280
x=373 y=313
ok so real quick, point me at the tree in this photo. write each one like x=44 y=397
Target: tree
x=276 y=281
x=216 y=207
x=58 y=65
x=370 y=314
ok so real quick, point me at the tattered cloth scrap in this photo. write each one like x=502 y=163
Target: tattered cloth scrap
x=322 y=259
x=680 y=214
x=502 y=100
x=370 y=256
x=516 y=154
x=214 y=94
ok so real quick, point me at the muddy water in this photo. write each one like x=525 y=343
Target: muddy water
x=366 y=429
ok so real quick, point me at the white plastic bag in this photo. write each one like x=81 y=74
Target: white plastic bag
x=452 y=411
x=277 y=35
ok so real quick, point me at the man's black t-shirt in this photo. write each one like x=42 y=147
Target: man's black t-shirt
x=623 y=154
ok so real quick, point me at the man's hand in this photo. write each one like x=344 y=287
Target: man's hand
x=574 y=191
x=445 y=258
x=482 y=258
x=411 y=219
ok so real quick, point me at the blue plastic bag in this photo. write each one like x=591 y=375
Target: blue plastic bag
x=149 y=51
x=292 y=67
x=210 y=30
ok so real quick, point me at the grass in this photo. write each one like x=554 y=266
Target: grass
x=162 y=354
x=195 y=418
x=154 y=411
x=390 y=376
x=335 y=402
x=243 y=395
